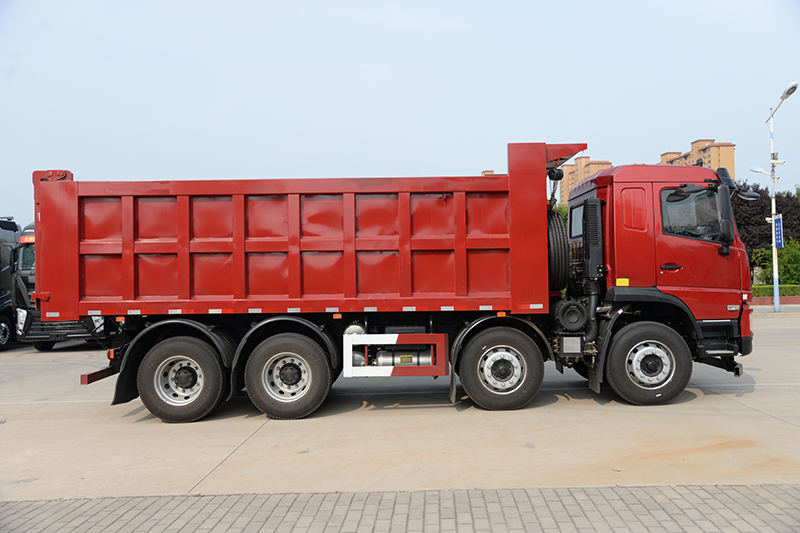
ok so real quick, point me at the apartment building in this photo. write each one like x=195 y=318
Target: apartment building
x=706 y=151
x=577 y=172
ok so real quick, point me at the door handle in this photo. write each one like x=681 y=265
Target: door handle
x=671 y=267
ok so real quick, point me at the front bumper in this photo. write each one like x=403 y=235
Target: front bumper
x=30 y=328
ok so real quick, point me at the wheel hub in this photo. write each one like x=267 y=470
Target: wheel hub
x=650 y=364
x=287 y=377
x=501 y=369
x=179 y=380
x=186 y=377
x=290 y=374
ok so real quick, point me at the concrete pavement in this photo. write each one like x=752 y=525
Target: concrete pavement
x=397 y=457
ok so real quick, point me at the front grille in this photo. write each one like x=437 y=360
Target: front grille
x=55 y=331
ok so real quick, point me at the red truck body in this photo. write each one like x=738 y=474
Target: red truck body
x=297 y=245
x=278 y=286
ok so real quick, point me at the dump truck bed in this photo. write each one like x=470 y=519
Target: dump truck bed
x=296 y=245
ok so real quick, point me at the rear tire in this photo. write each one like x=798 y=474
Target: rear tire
x=288 y=376
x=501 y=369
x=648 y=364
x=180 y=379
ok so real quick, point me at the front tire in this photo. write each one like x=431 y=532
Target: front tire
x=44 y=346
x=180 y=379
x=288 y=376
x=501 y=369
x=648 y=364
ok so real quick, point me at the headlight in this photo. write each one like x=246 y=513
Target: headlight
x=22 y=315
x=98 y=322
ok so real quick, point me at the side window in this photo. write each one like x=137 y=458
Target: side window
x=576 y=221
x=693 y=214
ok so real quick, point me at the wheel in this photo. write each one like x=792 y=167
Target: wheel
x=648 y=364
x=180 y=379
x=288 y=376
x=44 y=346
x=6 y=333
x=501 y=368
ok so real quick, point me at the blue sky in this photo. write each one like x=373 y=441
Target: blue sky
x=162 y=90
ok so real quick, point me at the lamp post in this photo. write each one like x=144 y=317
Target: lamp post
x=773 y=162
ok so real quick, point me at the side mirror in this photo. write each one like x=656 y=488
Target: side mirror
x=747 y=195
x=725 y=179
x=726 y=231
x=726 y=220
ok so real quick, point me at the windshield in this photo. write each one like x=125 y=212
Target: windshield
x=26 y=259
x=694 y=214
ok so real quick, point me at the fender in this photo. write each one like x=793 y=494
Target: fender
x=650 y=295
x=126 y=389
x=252 y=336
x=597 y=373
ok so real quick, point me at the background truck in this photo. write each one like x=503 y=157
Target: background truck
x=29 y=326
x=9 y=233
x=280 y=286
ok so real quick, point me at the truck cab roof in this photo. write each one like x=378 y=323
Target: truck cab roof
x=651 y=173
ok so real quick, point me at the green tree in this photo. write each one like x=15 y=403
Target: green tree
x=788 y=261
x=753 y=228
x=563 y=211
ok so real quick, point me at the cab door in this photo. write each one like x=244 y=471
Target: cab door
x=693 y=262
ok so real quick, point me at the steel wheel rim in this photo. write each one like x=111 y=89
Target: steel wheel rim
x=286 y=365
x=501 y=369
x=179 y=380
x=650 y=364
x=5 y=333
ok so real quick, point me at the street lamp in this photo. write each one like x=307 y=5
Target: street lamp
x=773 y=162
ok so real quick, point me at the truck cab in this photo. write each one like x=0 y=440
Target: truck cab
x=656 y=244
x=9 y=232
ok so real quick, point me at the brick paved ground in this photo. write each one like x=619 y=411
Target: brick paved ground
x=677 y=508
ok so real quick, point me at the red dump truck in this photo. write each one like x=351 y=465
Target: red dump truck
x=279 y=286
